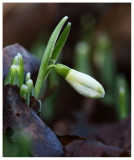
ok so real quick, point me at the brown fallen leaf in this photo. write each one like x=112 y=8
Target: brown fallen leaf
x=69 y=138
x=117 y=134
x=34 y=104
x=91 y=148
x=18 y=116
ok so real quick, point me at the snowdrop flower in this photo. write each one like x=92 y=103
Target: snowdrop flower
x=82 y=83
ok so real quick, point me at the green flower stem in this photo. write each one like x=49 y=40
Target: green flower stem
x=24 y=91
x=50 y=66
x=48 y=69
x=47 y=56
x=60 y=43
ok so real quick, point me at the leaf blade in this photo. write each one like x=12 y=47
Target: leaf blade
x=61 y=41
x=47 y=56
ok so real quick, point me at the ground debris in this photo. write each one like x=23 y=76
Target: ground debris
x=68 y=139
x=117 y=134
x=18 y=116
x=92 y=148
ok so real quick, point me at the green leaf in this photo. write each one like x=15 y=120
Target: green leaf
x=47 y=56
x=16 y=71
x=13 y=76
x=18 y=61
x=60 y=43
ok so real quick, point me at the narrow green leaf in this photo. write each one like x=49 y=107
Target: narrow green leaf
x=58 y=47
x=13 y=76
x=8 y=78
x=47 y=56
x=18 y=61
x=21 y=70
x=60 y=43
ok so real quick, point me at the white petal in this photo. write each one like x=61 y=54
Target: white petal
x=84 y=84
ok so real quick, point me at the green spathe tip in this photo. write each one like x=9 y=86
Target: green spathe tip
x=28 y=76
x=69 y=23
x=66 y=17
x=18 y=61
x=17 y=58
x=29 y=83
x=16 y=71
x=62 y=70
x=13 y=76
x=24 y=91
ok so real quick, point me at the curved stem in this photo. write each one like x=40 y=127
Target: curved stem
x=48 y=70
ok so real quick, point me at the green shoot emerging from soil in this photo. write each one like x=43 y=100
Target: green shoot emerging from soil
x=82 y=83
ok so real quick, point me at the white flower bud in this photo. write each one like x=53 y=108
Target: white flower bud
x=85 y=84
x=82 y=83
